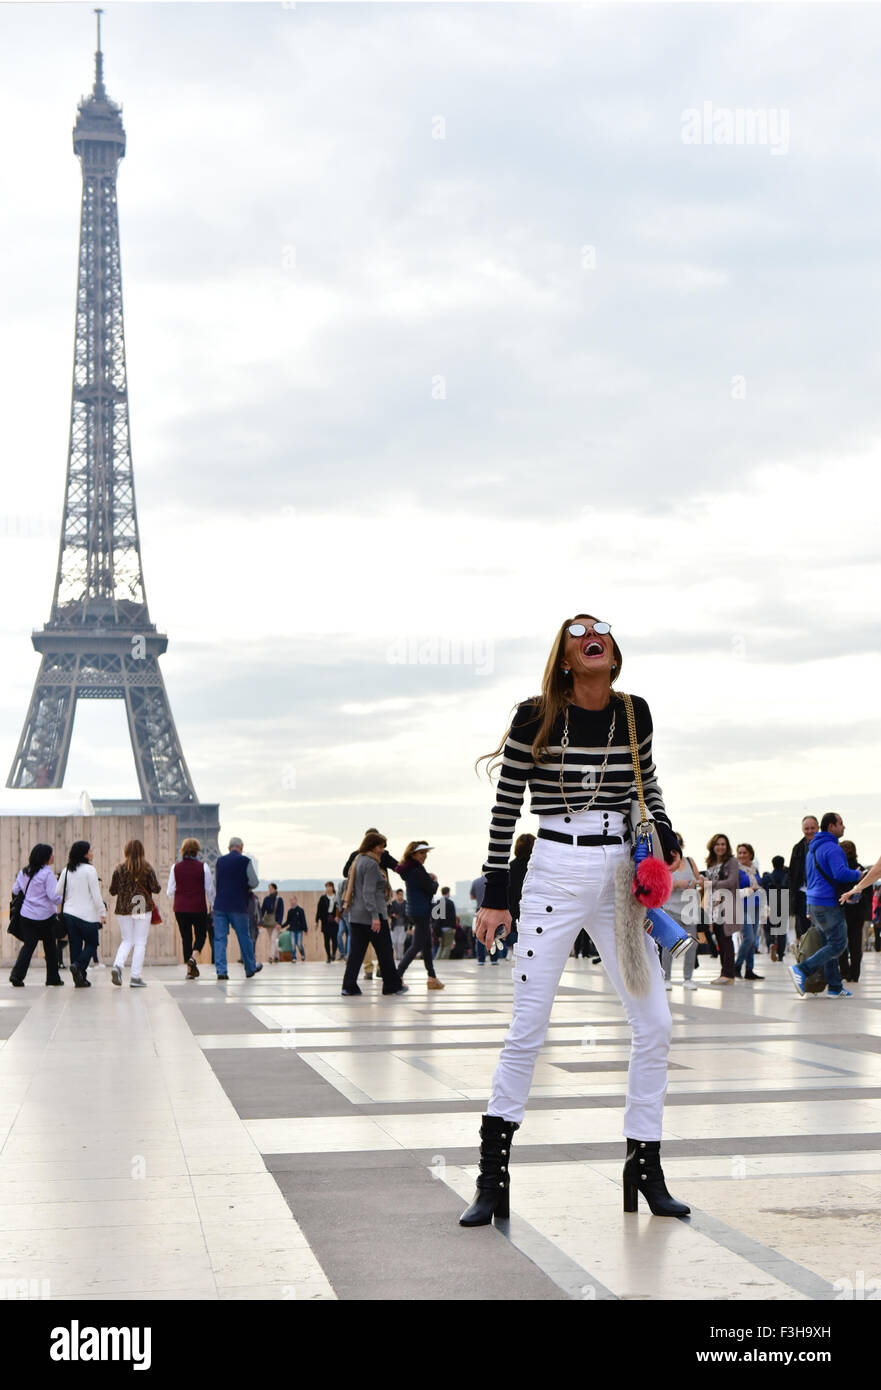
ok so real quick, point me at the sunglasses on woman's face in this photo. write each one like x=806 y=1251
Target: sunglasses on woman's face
x=579 y=629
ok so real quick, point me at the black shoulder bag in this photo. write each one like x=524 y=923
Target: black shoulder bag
x=16 y=903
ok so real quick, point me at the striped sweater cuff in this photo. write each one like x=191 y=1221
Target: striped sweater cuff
x=496 y=895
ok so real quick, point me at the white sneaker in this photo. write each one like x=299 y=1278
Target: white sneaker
x=689 y=984
x=668 y=984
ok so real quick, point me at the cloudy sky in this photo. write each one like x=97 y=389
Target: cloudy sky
x=444 y=321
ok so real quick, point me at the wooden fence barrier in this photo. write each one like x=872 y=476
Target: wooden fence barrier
x=107 y=835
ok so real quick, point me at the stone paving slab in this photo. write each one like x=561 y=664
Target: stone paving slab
x=217 y=1016
x=10 y=1017
x=270 y=1085
x=391 y=1232
x=110 y=1085
x=763 y=1087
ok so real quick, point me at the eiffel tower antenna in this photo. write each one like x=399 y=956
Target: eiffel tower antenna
x=99 y=642
x=98 y=90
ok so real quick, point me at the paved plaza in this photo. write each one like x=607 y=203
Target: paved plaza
x=268 y=1139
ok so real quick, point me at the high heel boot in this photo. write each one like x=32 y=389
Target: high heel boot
x=643 y=1173
x=492 y=1197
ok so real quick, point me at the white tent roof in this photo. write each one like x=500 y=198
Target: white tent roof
x=48 y=802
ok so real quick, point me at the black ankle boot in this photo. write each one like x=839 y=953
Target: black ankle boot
x=492 y=1195
x=643 y=1173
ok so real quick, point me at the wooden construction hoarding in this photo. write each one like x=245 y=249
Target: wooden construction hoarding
x=107 y=835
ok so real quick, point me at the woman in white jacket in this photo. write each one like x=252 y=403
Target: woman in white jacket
x=82 y=909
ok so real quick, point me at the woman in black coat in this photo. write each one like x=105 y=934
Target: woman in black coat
x=421 y=887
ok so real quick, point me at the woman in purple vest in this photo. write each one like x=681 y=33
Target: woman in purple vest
x=191 y=889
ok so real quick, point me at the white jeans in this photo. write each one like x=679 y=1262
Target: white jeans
x=568 y=887
x=134 y=936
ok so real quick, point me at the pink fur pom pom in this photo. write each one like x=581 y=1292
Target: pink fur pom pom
x=653 y=882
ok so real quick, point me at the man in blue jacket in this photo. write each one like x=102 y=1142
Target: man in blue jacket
x=828 y=875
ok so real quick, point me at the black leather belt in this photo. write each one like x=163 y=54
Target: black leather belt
x=562 y=839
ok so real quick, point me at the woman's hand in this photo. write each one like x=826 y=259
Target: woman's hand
x=375 y=924
x=488 y=921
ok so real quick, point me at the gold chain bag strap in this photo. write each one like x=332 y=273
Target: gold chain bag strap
x=641 y=824
x=630 y=938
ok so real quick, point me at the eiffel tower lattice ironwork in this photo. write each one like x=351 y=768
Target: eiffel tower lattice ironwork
x=99 y=642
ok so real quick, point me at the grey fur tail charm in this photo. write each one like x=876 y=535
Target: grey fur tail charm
x=630 y=940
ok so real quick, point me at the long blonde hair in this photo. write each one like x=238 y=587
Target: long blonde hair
x=556 y=694
x=135 y=859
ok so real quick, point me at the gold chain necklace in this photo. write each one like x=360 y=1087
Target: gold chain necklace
x=564 y=744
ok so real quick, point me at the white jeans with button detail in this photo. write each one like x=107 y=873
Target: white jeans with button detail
x=567 y=888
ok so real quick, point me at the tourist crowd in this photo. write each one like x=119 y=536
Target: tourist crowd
x=822 y=909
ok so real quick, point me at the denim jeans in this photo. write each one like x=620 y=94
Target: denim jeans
x=83 y=937
x=481 y=953
x=297 y=945
x=747 y=953
x=239 y=923
x=831 y=923
x=342 y=937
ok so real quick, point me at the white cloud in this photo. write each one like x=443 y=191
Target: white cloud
x=302 y=259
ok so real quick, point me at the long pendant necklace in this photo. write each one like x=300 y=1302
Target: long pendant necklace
x=564 y=744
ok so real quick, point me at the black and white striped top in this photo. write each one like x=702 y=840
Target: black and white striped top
x=588 y=735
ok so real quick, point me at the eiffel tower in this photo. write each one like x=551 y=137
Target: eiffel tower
x=99 y=643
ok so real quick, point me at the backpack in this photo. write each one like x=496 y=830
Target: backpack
x=806 y=946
